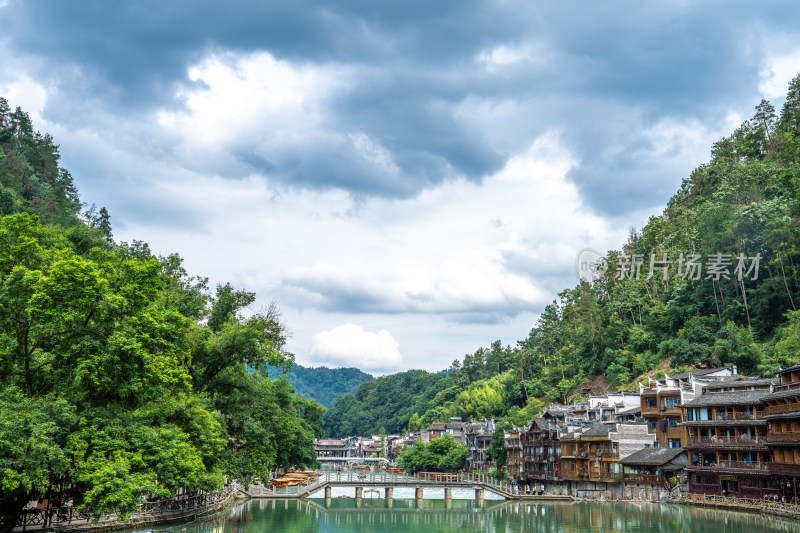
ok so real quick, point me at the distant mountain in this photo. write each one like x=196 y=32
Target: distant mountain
x=324 y=384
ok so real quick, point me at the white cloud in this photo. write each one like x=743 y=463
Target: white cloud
x=351 y=345
x=252 y=102
x=778 y=71
x=29 y=95
x=506 y=55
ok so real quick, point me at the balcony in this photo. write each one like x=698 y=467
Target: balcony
x=606 y=477
x=783 y=408
x=788 y=386
x=606 y=455
x=723 y=440
x=790 y=468
x=642 y=478
x=734 y=465
x=785 y=436
x=725 y=417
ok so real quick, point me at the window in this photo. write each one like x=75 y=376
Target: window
x=672 y=422
x=651 y=403
x=652 y=423
x=671 y=402
x=674 y=443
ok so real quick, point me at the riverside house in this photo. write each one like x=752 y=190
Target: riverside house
x=661 y=401
x=541 y=453
x=728 y=453
x=782 y=413
x=646 y=473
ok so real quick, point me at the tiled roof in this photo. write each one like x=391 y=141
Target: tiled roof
x=600 y=430
x=699 y=372
x=652 y=456
x=330 y=442
x=782 y=394
x=741 y=383
x=791 y=368
x=631 y=411
x=728 y=398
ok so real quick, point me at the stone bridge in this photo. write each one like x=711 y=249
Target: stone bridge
x=386 y=483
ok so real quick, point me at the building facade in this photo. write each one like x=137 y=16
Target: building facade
x=728 y=453
x=782 y=414
x=541 y=452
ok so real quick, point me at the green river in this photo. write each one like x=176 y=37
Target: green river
x=464 y=516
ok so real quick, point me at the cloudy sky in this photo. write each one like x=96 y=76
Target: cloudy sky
x=409 y=180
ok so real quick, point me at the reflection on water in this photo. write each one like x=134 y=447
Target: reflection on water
x=435 y=516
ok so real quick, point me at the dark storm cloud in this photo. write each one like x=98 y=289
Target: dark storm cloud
x=607 y=71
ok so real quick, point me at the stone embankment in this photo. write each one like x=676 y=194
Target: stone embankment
x=179 y=509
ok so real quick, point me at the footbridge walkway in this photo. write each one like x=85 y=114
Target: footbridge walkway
x=385 y=483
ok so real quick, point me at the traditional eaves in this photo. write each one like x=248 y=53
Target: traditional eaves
x=744 y=397
x=652 y=456
x=600 y=430
x=699 y=372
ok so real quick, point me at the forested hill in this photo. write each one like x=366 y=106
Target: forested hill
x=121 y=375
x=724 y=288
x=323 y=384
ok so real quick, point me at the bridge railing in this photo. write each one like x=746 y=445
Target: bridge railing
x=423 y=478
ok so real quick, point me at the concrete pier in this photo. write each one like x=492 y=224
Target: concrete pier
x=448 y=494
x=418 y=493
x=479 y=496
x=359 y=492
x=328 y=493
x=389 y=493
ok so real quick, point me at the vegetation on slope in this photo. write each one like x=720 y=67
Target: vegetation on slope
x=323 y=384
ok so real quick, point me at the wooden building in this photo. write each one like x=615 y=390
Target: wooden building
x=782 y=414
x=728 y=453
x=513 y=446
x=541 y=452
x=661 y=401
x=646 y=473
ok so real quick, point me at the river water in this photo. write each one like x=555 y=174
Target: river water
x=465 y=516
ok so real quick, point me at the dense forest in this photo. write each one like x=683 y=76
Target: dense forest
x=322 y=384
x=713 y=280
x=121 y=374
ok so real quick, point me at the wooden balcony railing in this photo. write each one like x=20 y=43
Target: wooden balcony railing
x=734 y=465
x=604 y=455
x=783 y=408
x=783 y=436
x=784 y=467
x=641 y=478
x=787 y=386
x=724 y=440
x=755 y=415
x=606 y=477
